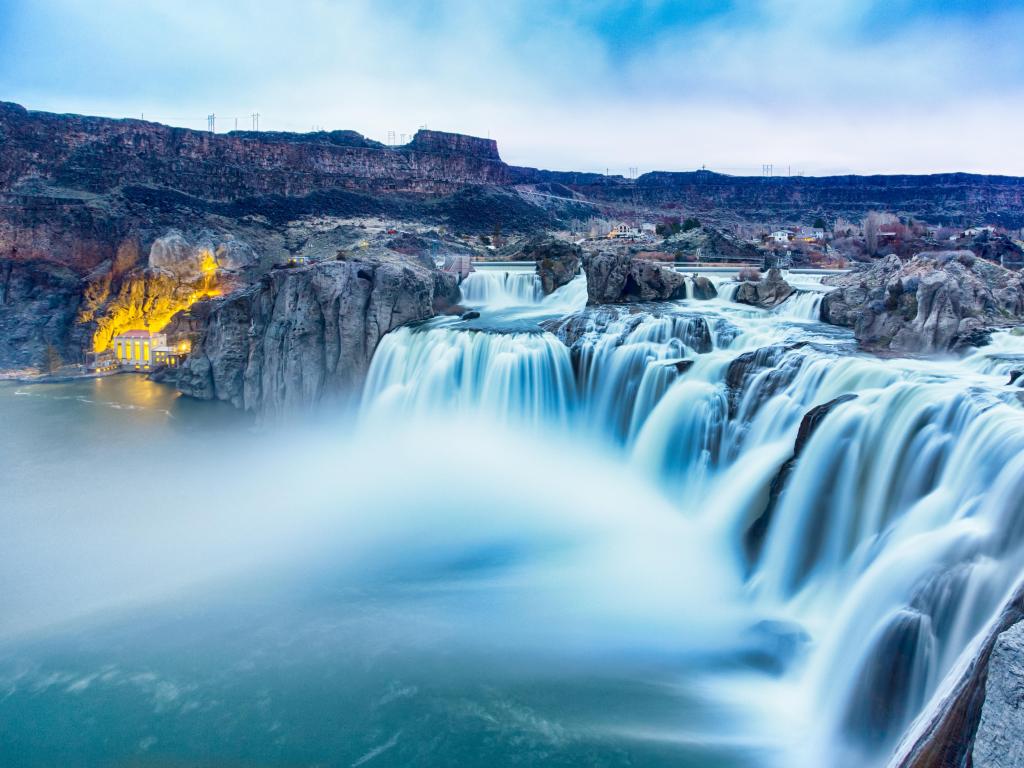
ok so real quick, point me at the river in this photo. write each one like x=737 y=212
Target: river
x=513 y=552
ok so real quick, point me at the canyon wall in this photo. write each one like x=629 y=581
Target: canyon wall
x=303 y=335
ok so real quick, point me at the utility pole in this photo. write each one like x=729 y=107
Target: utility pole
x=391 y=138
x=211 y=123
x=256 y=121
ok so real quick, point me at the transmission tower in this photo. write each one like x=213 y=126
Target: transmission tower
x=256 y=121
x=211 y=123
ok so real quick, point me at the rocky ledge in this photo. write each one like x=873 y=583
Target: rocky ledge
x=303 y=335
x=934 y=302
x=616 y=278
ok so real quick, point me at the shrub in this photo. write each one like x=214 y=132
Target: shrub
x=749 y=273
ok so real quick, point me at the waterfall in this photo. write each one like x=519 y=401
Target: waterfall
x=802 y=305
x=501 y=288
x=890 y=539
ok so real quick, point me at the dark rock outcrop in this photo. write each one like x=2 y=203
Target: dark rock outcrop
x=307 y=334
x=614 y=278
x=931 y=303
x=558 y=262
x=38 y=305
x=766 y=293
x=703 y=288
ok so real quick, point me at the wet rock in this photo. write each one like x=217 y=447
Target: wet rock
x=471 y=315
x=1014 y=375
x=766 y=293
x=934 y=302
x=703 y=288
x=613 y=325
x=774 y=645
x=682 y=366
x=621 y=277
x=999 y=742
x=757 y=531
x=558 y=262
x=38 y=306
x=307 y=334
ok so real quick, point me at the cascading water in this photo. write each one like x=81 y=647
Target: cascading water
x=895 y=534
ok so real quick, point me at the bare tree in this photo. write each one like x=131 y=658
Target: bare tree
x=870 y=225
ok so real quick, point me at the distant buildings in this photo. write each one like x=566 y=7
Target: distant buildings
x=797 y=234
x=624 y=231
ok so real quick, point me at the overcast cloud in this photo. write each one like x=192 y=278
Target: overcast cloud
x=813 y=86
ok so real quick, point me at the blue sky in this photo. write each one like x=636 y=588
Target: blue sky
x=812 y=86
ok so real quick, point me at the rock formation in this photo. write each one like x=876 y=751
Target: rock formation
x=703 y=288
x=766 y=293
x=931 y=303
x=709 y=244
x=558 y=262
x=999 y=742
x=614 y=278
x=307 y=334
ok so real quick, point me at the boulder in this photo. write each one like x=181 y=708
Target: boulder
x=703 y=288
x=557 y=261
x=614 y=278
x=935 y=302
x=766 y=293
x=235 y=255
x=174 y=253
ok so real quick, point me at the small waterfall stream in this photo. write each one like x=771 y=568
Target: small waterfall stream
x=890 y=540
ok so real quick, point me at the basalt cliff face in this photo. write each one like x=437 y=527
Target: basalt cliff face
x=304 y=335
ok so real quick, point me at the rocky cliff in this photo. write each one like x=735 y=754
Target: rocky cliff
x=931 y=303
x=303 y=335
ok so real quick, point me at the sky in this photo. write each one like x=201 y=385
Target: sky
x=809 y=86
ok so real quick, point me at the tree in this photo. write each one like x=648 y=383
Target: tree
x=819 y=223
x=691 y=223
x=496 y=237
x=52 y=362
x=871 y=222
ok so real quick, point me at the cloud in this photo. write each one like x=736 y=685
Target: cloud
x=848 y=84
